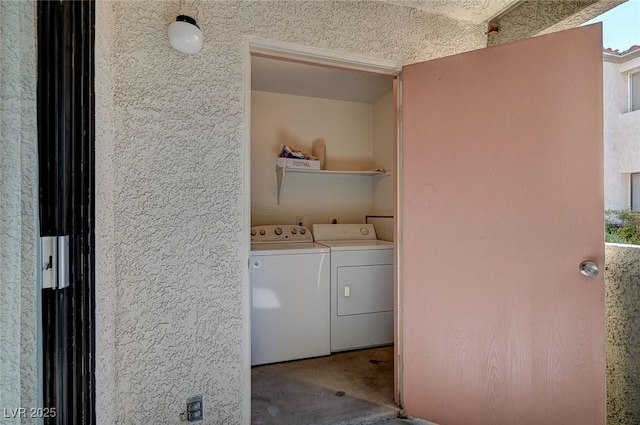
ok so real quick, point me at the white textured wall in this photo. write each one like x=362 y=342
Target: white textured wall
x=18 y=209
x=621 y=137
x=172 y=248
x=106 y=245
x=346 y=130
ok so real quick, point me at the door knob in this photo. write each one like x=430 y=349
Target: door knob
x=589 y=268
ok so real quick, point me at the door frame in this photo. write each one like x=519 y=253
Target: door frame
x=333 y=59
x=66 y=122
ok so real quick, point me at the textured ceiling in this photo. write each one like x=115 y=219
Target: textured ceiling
x=476 y=11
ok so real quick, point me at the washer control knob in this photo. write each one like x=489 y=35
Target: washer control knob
x=263 y=232
x=294 y=231
x=364 y=231
x=303 y=231
x=278 y=231
x=253 y=232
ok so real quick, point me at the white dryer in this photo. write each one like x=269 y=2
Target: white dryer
x=289 y=295
x=362 y=275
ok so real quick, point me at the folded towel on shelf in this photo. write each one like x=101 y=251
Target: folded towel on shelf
x=287 y=152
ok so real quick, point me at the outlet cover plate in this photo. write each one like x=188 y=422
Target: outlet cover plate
x=194 y=409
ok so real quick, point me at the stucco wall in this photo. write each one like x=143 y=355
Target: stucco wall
x=174 y=251
x=623 y=339
x=106 y=249
x=18 y=210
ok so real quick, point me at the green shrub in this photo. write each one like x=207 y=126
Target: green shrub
x=622 y=226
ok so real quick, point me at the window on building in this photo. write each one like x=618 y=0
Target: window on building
x=635 y=191
x=634 y=80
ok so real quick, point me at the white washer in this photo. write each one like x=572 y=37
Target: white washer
x=289 y=295
x=362 y=274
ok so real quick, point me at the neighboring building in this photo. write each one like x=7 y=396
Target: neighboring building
x=622 y=128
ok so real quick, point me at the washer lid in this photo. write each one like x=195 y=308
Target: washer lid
x=293 y=248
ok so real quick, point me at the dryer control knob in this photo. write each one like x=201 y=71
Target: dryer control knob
x=278 y=231
x=294 y=231
x=263 y=232
x=364 y=231
x=253 y=232
x=303 y=231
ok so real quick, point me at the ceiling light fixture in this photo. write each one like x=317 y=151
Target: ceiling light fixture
x=185 y=35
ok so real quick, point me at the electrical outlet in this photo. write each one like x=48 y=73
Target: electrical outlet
x=333 y=219
x=300 y=220
x=194 y=409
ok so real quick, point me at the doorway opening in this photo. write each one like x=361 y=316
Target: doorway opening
x=349 y=117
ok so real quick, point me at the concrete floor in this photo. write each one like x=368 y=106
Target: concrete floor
x=350 y=388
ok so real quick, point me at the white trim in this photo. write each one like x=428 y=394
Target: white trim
x=398 y=246
x=619 y=58
x=628 y=190
x=246 y=236
x=630 y=90
x=322 y=56
x=629 y=93
x=630 y=66
x=631 y=192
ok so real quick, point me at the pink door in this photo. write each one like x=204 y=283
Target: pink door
x=502 y=199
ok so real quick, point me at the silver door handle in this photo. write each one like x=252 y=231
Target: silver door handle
x=589 y=268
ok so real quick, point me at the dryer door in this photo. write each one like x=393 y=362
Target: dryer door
x=365 y=289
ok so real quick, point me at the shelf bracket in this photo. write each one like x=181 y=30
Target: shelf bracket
x=280 y=177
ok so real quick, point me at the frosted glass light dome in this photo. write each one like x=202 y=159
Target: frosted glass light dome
x=185 y=36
